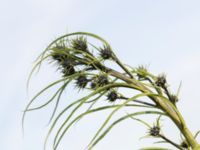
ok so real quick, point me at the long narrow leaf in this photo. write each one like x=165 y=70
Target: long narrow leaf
x=37 y=95
x=120 y=120
x=81 y=101
x=58 y=99
x=98 y=90
x=113 y=112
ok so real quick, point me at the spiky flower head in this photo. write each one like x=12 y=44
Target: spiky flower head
x=82 y=81
x=106 y=52
x=154 y=131
x=102 y=80
x=99 y=81
x=79 y=43
x=69 y=71
x=142 y=72
x=112 y=96
x=68 y=65
x=58 y=57
x=161 y=81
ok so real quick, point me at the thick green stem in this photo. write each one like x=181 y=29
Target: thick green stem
x=190 y=138
x=177 y=118
x=188 y=135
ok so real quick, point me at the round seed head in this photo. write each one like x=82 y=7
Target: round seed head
x=82 y=81
x=68 y=63
x=80 y=43
x=142 y=72
x=106 y=53
x=154 y=131
x=68 y=71
x=112 y=96
x=161 y=81
x=102 y=80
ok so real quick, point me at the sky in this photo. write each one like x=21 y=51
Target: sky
x=163 y=35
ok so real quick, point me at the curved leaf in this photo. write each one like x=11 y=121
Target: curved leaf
x=38 y=94
x=98 y=90
x=81 y=101
x=113 y=112
x=122 y=119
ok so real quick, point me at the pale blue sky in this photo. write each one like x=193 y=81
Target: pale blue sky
x=162 y=34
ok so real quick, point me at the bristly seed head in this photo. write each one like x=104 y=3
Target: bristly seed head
x=112 y=96
x=66 y=72
x=80 y=43
x=82 y=81
x=142 y=72
x=93 y=85
x=99 y=81
x=154 y=131
x=58 y=57
x=161 y=81
x=68 y=63
x=102 y=80
x=106 y=52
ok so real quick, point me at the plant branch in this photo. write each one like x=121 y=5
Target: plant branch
x=159 y=94
x=124 y=68
x=171 y=142
x=165 y=106
x=139 y=101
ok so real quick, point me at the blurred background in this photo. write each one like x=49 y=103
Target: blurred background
x=164 y=35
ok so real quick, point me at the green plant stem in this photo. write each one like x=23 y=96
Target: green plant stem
x=169 y=108
x=123 y=67
x=180 y=123
x=190 y=138
x=139 y=101
x=171 y=142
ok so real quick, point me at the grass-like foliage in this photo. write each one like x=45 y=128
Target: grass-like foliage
x=82 y=59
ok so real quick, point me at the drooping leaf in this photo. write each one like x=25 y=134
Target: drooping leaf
x=132 y=115
x=113 y=112
x=83 y=100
